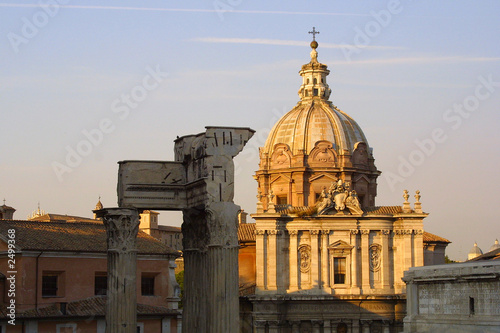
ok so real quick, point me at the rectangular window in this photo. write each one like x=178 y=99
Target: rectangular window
x=339 y=267
x=281 y=200
x=100 y=284
x=147 y=285
x=49 y=285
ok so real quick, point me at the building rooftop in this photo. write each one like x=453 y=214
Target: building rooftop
x=93 y=306
x=75 y=237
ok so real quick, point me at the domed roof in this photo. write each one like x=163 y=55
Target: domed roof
x=313 y=121
x=494 y=246
x=474 y=252
x=315 y=118
x=99 y=206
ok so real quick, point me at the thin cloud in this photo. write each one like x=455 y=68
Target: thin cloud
x=193 y=10
x=417 y=60
x=281 y=42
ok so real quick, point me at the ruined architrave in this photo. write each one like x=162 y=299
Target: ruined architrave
x=200 y=182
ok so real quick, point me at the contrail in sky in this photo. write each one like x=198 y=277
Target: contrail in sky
x=282 y=42
x=155 y=9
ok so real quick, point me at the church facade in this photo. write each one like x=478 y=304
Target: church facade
x=327 y=258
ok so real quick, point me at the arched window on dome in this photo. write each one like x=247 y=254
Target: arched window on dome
x=315 y=92
x=315 y=81
x=307 y=93
x=307 y=81
x=322 y=80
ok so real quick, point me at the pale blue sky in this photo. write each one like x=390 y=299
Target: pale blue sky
x=236 y=62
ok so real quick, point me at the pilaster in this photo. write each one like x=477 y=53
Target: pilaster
x=365 y=260
x=314 y=259
x=260 y=259
x=354 y=261
x=271 y=259
x=293 y=264
x=324 y=259
x=386 y=269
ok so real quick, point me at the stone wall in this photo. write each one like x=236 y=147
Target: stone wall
x=453 y=298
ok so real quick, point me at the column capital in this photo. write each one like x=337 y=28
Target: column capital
x=365 y=231
x=274 y=232
x=314 y=232
x=325 y=232
x=385 y=232
x=260 y=232
x=293 y=232
x=122 y=226
x=354 y=231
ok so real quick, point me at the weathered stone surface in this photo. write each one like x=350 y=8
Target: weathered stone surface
x=200 y=183
x=122 y=226
x=453 y=298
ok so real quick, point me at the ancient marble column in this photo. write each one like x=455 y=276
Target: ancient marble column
x=211 y=268
x=122 y=225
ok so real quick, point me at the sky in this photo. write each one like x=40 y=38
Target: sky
x=86 y=84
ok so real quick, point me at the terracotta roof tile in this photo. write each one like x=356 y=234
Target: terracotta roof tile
x=383 y=210
x=77 y=237
x=428 y=237
x=246 y=232
x=93 y=306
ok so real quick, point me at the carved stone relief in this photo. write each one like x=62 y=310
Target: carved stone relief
x=305 y=258
x=375 y=255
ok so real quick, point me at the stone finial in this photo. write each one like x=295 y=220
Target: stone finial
x=406 y=196
x=418 y=204
x=406 y=204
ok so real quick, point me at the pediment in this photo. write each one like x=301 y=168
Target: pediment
x=340 y=245
x=321 y=175
x=281 y=177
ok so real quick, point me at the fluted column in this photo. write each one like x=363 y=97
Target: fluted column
x=122 y=225
x=324 y=259
x=314 y=259
x=211 y=268
x=365 y=259
x=293 y=265
x=386 y=271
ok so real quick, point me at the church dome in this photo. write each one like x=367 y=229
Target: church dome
x=494 y=246
x=474 y=252
x=314 y=145
x=315 y=118
x=312 y=121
